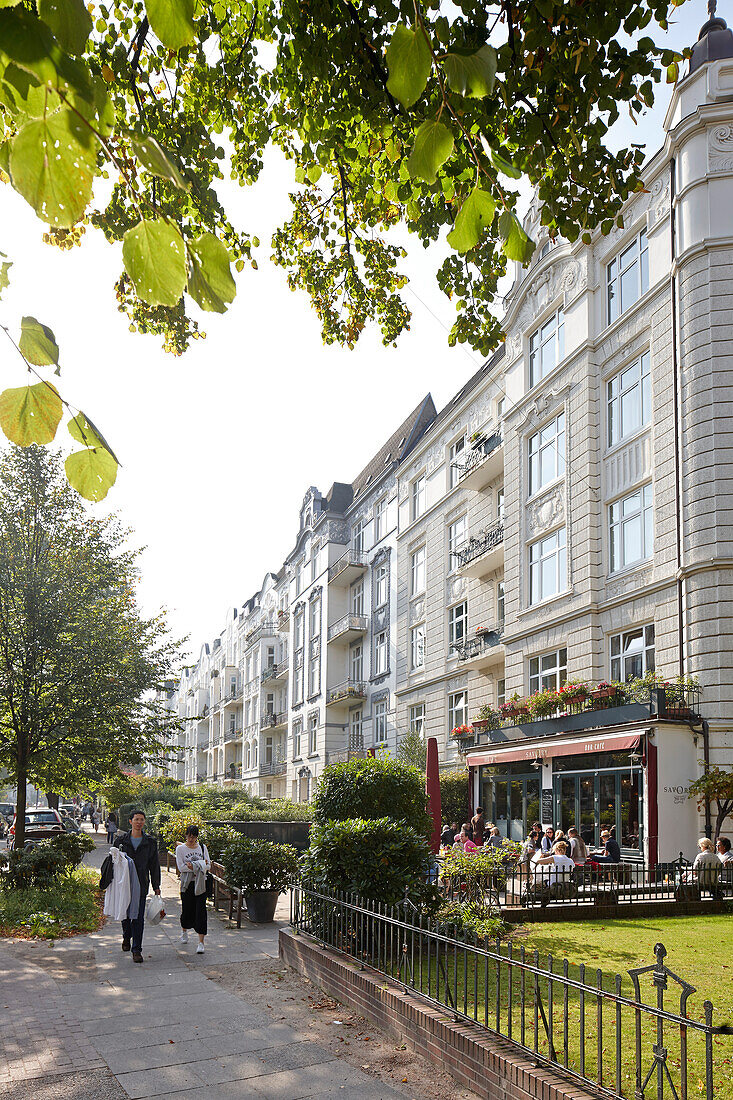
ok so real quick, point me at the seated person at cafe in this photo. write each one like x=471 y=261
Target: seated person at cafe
x=466 y=841
x=495 y=838
x=612 y=850
x=548 y=840
x=559 y=864
x=706 y=866
x=578 y=851
x=723 y=849
x=448 y=835
x=529 y=849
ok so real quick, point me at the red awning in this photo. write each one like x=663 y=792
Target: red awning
x=546 y=750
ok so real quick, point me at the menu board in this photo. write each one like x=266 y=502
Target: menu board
x=546 y=808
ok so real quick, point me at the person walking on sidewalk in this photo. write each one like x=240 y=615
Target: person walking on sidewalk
x=143 y=851
x=111 y=825
x=192 y=860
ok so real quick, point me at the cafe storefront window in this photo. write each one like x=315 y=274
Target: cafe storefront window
x=510 y=796
x=601 y=791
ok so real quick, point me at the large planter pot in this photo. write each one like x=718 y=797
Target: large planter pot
x=261 y=905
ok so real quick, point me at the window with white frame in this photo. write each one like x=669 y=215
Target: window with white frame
x=546 y=347
x=380 y=653
x=296 y=578
x=356 y=662
x=315 y=617
x=417 y=646
x=381 y=584
x=418 y=496
x=314 y=674
x=632 y=653
x=356 y=730
x=500 y=405
x=457 y=709
x=627 y=277
x=248 y=757
x=500 y=692
x=357 y=597
x=549 y=671
x=358 y=536
x=380 y=721
x=457 y=624
x=455 y=455
x=629 y=399
x=417 y=571
x=500 y=601
x=314 y=563
x=500 y=505
x=298 y=632
x=255 y=749
x=631 y=522
x=380 y=519
x=547 y=454
x=417 y=719
x=313 y=733
x=457 y=534
x=548 y=566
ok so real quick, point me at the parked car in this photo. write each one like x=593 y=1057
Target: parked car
x=7 y=810
x=71 y=810
x=71 y=825
x=39 y=825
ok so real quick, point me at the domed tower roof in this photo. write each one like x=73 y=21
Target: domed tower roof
x=714 y=42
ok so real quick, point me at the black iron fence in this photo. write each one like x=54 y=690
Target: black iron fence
x=630 y=1036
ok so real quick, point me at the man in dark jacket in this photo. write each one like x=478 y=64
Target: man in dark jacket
x=143 y=851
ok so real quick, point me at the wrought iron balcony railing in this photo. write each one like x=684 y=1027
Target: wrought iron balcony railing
x=478 y=545
x=479 y=643
x=349 y=689
x=350 y=559
x=269 y=721
x=349 y=624
x=478 y=454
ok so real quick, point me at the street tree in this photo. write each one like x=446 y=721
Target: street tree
x=78 y=662
x=392 y=114
x=715 y=786
x=412 y=749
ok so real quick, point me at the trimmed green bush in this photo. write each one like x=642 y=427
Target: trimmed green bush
x=73 y=847
x=373 y=789
x=377 y=860
x=454 y=801
x=259 y=865
x=173 y=830
x=217 y=838
x=26 y=868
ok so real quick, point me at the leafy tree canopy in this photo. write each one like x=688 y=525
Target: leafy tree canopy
x=393 y=114
x=716 y=785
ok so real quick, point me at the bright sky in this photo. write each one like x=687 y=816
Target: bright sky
x=218 y=447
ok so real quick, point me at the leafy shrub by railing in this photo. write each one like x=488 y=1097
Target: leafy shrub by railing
x=255 y=865
x=217 y=838
x=172 y=831
x=373 y=789
x=41 y=865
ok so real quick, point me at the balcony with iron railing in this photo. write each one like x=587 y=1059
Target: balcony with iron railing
x=274 y=672
x=233 y=733
x=483 y=553
x=344 y=755
x=278 y=766
x=263 y=630
x=348 y=567
x=349 y=691
x=484 y=649
x=483 y=463
x=347 y=628
x=283 y=621
x=272 y=721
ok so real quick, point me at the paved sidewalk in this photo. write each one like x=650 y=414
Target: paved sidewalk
x=162 y=1029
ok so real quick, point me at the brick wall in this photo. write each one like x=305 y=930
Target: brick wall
x=490 y=1067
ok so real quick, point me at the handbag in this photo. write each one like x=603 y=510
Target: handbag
x=154 y=909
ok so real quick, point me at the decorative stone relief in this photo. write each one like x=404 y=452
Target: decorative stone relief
x=417 y=610
x=628 y=466
x=659 y=200
x=338 y=531
x=456 y=588
x=545 y=513
x=629 y=583
x=623 y=336
x=458 y=683
x=404 y=489
x=434 y=456
x=563 y=277
x=720 y=148
x=545 y=403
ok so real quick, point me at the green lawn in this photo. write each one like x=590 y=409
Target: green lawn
x=69 y=907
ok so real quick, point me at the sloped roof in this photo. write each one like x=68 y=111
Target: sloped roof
x=399 y=444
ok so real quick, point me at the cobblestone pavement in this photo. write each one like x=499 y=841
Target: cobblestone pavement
x=162 y=1029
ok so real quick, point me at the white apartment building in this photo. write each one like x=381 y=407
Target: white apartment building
x=568 y=516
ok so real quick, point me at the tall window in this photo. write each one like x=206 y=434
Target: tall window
x=381 y=584
x=380 y=721
x=632 y=528
x=418 y=496
x=298 y=633
x=313 y=733
x=417 y=719
x=628 y=277
x=455 y=455
x=356 y=662
x=314 y=563
x=356 y=730
x=629 y=399
x=314 y=674
x=548 y=672
x=457 y=709
x=546 y=347
x=632 y=653
x=380 y=653
x=547 y=567
x=296 y=578
x=248 y=757
x=457 y=624
x=500 y=409
x=417 y=571
x=357 y=597
x=500 y=505
x=417 y=646
x=358 y=536
x=380 y=519
x=457 y=532
x=500 y=692
x=315 y=617
x=500 y=601
x=547 y=454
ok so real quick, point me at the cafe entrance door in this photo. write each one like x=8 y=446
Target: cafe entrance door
x=512 y=801
x=592 y=800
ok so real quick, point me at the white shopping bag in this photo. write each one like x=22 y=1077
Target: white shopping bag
x=154 y=909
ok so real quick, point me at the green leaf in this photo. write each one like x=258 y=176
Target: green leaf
x=69 y=20
x=314 y=173
x=433 y=145
x=156 y=160
x=154 y=258
x=38 y=343
x=210 y=282
x=471 y=74
x=517 y=245
x=84 y=431
x=172 y=21
x=52 y=165
x=474 y=218
x=5 y=266
x=673 y=72
x=501 y=162
x=409 y=62
x=92 y=472
x=28 y=42
x=30 y=414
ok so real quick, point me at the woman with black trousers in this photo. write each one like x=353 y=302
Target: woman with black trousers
x=192 y=860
